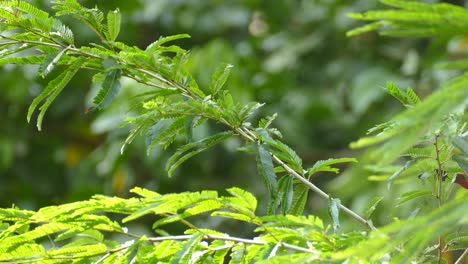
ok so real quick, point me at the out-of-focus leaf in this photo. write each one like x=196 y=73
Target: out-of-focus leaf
x=408 y=196
x=371 y=206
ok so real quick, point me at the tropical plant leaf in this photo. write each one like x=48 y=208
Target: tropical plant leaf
x=266 y=170
x=113 y=24
x=219 y=78
x=192 y=149
x=109 y=89
x=299 y=199
x=325 y=165
x=52 y=90
x=371 y=206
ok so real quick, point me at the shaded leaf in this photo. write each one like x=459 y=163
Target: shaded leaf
x=109 y=89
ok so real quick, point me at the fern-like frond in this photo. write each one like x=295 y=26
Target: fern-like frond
x=52 y=91
x=414 y=19
x=191 y=149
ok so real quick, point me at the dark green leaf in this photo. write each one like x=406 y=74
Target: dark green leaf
x=462 y=162
x=191 y=149
x=109 y=89
x=370 y=208
x=220 y=77
x=461 y=143
x=266 y=170
x=52 y=90
x=299 y=200
x=285 y=189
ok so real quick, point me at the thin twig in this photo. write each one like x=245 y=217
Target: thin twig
x=313 y=187
x=462 y=257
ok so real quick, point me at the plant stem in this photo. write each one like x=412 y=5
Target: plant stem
x=251 y=137
x=440 y=175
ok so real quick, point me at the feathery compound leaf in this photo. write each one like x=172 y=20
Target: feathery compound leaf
x=79 y=251
x=299 y=200
x=92 y=17
x=155 y=45
x=371 y=206
x=408 y=196
x=13 y=214
x=285 y=190
x=247 y=197
x=192 y=149
x=113 y=24
x=109 y=90
x=24 y=252
x=266 y=170
x=324 y=165
x=38 y=232
x=397 y=93
x=284 y=152
x=50 y=62
x=62 y=32
x=52 y=90
x=185 y=253
x=220 y=77
x=37 y=59
x=413 y=98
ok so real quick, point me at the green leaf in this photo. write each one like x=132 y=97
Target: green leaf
x=462 y=161
x=398 y=173
x=247 y=197
x=62 y=32
x=299 y=200
x=324 y=165
x=191 y=149
x=399 y=95
x=364 y=29
x=220 y=77
x=155 y=45
x=231 y=215
x=412 y=96
x=38 y=59
x=113 y=24
x=371 y=206
x=461 y=143
x=79 y=251
x=184 y=255
x=283 y=151
x=26 y=252
x=50 y=62
x=266 y=170
x=52 y=90
x=285 y=188
x=408 y=196
x=109 y=89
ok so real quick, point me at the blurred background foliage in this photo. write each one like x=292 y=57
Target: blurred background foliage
x=293 y=55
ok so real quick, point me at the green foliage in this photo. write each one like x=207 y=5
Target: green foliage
x=427 y=134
